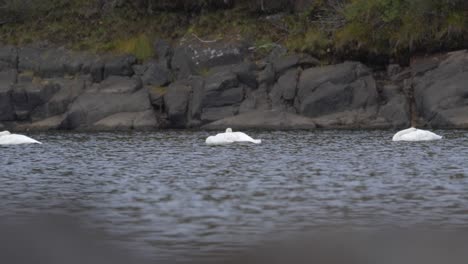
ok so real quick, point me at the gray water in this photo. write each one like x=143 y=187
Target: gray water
x=168 y=194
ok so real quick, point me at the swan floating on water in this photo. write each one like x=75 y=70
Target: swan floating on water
x=230 y=137
x=6 y=138
x=414 y=134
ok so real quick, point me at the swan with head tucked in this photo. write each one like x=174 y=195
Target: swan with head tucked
x=6 y=138
x=230 y=137
x=414 y=134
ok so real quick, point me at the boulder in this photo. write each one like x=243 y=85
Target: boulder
x=284 y=91
x=164 y=52
x=194 y=56
x=441 y=94
x=27 y=97
x=8 y=58
x=285 y=63
x=244 y=71
x=339 y=95
x=69 y=90
x=120 y=84
x=156 y=75
x=7 y=80
x=336 y=88
x=120 y=65
x=58 y=62
x=216 y=113
x=51 y=123
x=126 y=121
x=92 y=106
x=176 y=101
x=395 y=111
x=276 y=120
x=222 y=89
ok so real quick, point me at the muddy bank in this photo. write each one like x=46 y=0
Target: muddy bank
x=214 y=84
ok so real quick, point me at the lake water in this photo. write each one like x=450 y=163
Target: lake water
x=168 y=194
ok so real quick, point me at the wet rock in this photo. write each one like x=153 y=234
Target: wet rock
x=264 y=120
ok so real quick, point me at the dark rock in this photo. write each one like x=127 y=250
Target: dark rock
x=182 y=63
x=97 y=70
x=156 y=95
x=245 y=72
x=49 y=63
x=7 y=80
x=194 y=56
x=156 y=75
x=393 y=69
x=340 y=95
x=120 y=84
x=277 y=52
x=396 y=110
x=8 y=58
x=256 y=100
x=125 y=121
x=164 y=52
x=120 y=66
x=442 y=94
x=176 y=101
x=27 y=97
x=286 y=86
x=283 y=64
x=91 y=107
x=69 y=90
x=266 y=76
x=216 y=113
x=140 y=69
x=222 y=89
x=29 y=59
x=264 y=120
x=196 y=102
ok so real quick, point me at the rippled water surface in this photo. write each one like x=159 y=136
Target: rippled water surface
x=168 y=194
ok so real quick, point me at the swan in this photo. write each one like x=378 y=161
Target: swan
x=230 y=137
x=414 y=134
x=6 y=138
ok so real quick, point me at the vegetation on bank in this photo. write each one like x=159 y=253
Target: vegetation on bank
x=329 y=29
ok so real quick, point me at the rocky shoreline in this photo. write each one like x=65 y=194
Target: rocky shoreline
x=218 y=84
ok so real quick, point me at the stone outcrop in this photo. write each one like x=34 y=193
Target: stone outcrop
x=216 y=84
x=441 y=92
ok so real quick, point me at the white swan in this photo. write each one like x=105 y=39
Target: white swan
x=414 y=134
x=230 y=137
x=6 y=138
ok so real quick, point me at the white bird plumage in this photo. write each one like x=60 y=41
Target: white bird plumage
x=414 y=134
x=6 y=138
x=230 y=137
